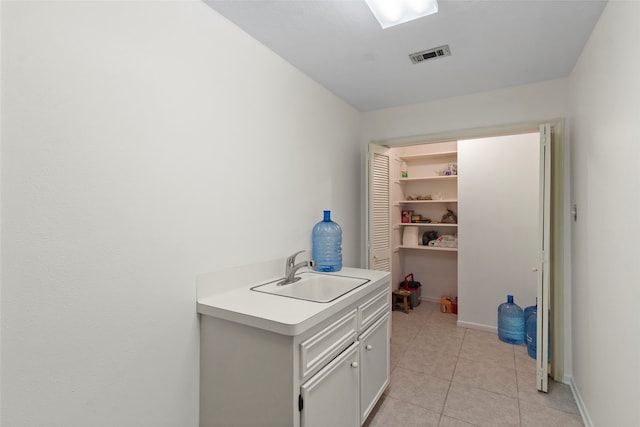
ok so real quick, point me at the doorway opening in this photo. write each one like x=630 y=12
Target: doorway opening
x=390 y=257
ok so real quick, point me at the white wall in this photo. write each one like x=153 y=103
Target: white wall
x=144 y=143
x=540 y=101
x=605 y=107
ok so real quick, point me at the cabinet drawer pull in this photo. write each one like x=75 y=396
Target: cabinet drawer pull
x=354 y=364
x=368 y=347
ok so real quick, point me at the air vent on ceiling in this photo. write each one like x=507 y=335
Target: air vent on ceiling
x=425 y=55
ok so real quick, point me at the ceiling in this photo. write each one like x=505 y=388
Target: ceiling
x=494 y=45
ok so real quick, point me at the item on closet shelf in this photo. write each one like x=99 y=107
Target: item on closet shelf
x=423 y=220
x=437 y=196
x=326 y=245
x=428 y=236
x=510 y=322
x=445 y=241
x=406 y=216
x=450 y=217
x=412 y=197
x=404 y=170
x=451 y=169
x=454 y=306
x=410 y=236
x=445 y=304
x=414 y=287
x=416 y=218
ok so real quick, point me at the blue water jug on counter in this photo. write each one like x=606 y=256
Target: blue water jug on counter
x=326 y=245
x=510 y=322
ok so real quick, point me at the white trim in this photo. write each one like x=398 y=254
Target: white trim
x=568 y=379
x=469 y=133
x=477 y=326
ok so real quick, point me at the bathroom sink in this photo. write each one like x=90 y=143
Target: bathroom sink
x=316 y=287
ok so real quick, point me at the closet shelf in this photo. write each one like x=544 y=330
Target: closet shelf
x=428 y=155
x=425 y=224
x=428 y=248
x=406 y=202
x=428 y=178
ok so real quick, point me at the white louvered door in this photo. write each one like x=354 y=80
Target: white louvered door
x=379 y=221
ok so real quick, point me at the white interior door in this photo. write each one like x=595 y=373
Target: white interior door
x=498 y=191
x=544 y=265
x=379 y=218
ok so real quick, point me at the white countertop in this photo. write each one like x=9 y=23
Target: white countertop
x=227 y=295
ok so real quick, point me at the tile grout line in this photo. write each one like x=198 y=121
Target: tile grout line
x=446 y=397
x=515 y=367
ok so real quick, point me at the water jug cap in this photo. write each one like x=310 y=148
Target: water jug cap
x=327 y=216
x=510 y=299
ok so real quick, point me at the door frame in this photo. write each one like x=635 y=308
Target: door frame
x=560 y=270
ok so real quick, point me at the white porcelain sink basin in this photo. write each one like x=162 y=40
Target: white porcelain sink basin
x=316 y=287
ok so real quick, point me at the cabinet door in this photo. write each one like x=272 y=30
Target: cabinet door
x=374 y=364
x=330 y=397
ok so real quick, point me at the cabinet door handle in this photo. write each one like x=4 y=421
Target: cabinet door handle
x=534 y=269
x=354 y=364
x=368 y=347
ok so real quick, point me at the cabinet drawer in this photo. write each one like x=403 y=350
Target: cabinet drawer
x=373 y=308
x=319 y=349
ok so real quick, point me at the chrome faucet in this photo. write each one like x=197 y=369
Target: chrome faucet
x=291 y=267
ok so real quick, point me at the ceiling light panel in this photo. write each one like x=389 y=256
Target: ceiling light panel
x=394 y=12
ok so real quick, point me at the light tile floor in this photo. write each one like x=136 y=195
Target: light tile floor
x=446 y=376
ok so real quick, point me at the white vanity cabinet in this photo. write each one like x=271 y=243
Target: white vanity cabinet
x=330 y=374
x=350 y=385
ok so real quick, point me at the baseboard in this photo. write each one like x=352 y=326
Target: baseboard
x=568 y=379
x=477 y=326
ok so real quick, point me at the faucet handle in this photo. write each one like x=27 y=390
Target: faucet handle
x=291 y=259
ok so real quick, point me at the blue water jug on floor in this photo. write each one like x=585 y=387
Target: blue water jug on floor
x=528 y=311
x=531 y=327
x=510 y=322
